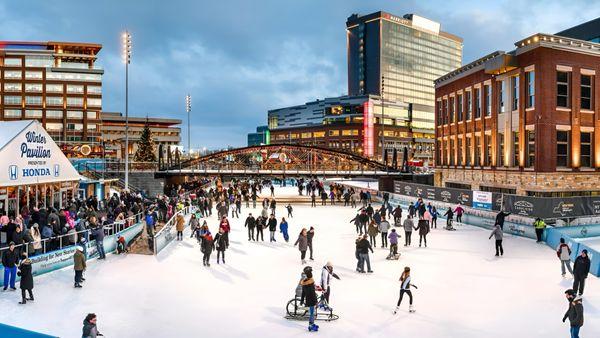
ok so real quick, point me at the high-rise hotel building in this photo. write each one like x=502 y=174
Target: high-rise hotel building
x=58 y=84
x=398 y=58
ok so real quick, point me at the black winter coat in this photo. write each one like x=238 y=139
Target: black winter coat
x=9 y=258
x=575 y=313
x=220 y=243
x=272 y=224
x=363 y=246
x=308 y=292
x=250 y=222
x=581 y=267
x=26 y=275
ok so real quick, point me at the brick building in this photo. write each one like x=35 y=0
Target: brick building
x=523 y=121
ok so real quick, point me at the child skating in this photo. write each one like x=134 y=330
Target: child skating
x=405 y=284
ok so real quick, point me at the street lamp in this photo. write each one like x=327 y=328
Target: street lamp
x=188 y=109
x=126 y=60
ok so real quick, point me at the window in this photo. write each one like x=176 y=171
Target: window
x=94 y=90
x=92 y=115
x=12 y=100
x=451 y=110
x=445 y=111
x=54 y=88
x=477 y=150
x=461 y=157
x=334 y=133
x=530 y=78
x=35 y=113
x=92 y=127
x=488 y=100
x=79 y=126
x=488 y=151
x=586 y=92
x=438 y=153
x=37 y=100
x=75 y=89
x=469 y=107
x=94 y=102
x=515 y=92
x=54 y=126
x=75 y=101
x=350 y=132
x=12 y=112
x=477 y=103
x=33 y=75
x=562 y=89
x=452 y=152
x=12 y=62
x=54 y=114
x=317 y=134
x=516 y=148
x=33 y=87
x=12 y=74
x=501 y=150
x=468 y=151
x=306 y=135
x=459 y=107
x=39 y=61
x=439 y=113
x=562 y=148
x=530 y=148
x=501 y=98
x=586 y=150
x=12 y=87
x=74 y=114
x=54 y=100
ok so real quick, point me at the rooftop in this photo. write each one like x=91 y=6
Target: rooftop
x=118 y=117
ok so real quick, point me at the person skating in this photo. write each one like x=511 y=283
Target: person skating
x=373 y=232
x=309 y=237
x=290 y=210
x=283 y=228
x=90 y=328
x=498 y=235
x=423 y=228
x=309 y=297
x=207 y=247
x=326 y=274
x=449 y=218
x=194 y=225
x=313 y=200
x=459 y=212
x=384 y=227
x=272 y=191
x=261 y=223
x=179 y=226
x=220 y=245
x=272 y=224
x=226 y=229
x=363 y=246
x=564 y=255
x=405 y=284
x=539 y=225
x=250 y=224
x=393 y=236
x=79 y=266
x=408 y=228
x=397 y=215
x=9 y=262
x=434 y=216
x=500 y=218
x=574 y=312
x=302 y=243
x=26 y=283
x=580 y=271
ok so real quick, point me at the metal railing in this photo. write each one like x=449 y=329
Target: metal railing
x=109 y=229
x=165 y=235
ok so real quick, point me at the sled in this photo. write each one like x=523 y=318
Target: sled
x=297 y=311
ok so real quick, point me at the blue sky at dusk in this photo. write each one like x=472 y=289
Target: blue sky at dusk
x=240 y=58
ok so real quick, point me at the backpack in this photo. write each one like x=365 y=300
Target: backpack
x=47 y=232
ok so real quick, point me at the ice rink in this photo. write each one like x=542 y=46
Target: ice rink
x=464 y=291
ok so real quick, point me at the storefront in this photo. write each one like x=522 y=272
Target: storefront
x=33 y=169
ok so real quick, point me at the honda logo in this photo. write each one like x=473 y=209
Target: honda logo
x=56 y=170
x=13 y=172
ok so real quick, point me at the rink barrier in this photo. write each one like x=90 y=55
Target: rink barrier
x=16 y=332
x=571 y=236
x=168 y=233
x=58 y=259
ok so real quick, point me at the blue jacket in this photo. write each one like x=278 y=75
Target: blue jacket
x=149 y=221
x=283 y=227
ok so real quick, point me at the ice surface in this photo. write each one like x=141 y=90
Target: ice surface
x=464 y=291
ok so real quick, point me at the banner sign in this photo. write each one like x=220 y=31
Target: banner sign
x=551 y=207
x=482 y=200
x=448 y=195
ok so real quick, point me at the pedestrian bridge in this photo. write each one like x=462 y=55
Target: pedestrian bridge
x=279 y=160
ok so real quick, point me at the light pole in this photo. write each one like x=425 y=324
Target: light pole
x=127 y=60
x=188 y=109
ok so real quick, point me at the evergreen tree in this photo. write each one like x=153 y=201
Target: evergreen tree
x=145 y=150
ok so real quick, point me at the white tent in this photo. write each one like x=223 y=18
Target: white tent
x=28 y=155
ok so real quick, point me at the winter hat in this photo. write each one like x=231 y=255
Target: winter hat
x=570 y=292
x=584 y=251
x=79 y=248
x=329 y=264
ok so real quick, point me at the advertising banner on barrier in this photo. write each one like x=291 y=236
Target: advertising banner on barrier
x=550 y=207
x=448 y=195
x=482 y=200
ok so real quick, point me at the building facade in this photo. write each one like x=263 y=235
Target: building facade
x=261 y=136
x=353 y=124
x=164 y=131
x=58 y=84
x=398 y=58
x=525 y=121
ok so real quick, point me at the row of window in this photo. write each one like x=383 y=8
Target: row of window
x=51 y=88
x=563 y=90
x=510 y=157
x=51 y=114
x=51 y=101
x=42 y=61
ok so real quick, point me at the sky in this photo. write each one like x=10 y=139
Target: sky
x=240 y=58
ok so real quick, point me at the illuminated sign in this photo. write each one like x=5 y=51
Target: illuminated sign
x=368 y=145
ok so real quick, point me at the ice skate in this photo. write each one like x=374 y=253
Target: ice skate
x=411 y=309
x=396 y=309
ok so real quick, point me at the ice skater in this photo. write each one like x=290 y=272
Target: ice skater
x=309 y=297
x=283 y=228
x=302 y=243
x=574 y=312
x=393 y=236
x=90 y=330
x=581 y=268
x=423 y=228
x=309 y=237
x=326 y=274
x=250 y=224
x=26 y=283
x=498 y=234
x=207 y=247
x=564 y=255
x=220 y=245
x=272 y=224
x=408 y=228
x=405 y=284
x=79 y=266
x=290 y=210
x=179 y=226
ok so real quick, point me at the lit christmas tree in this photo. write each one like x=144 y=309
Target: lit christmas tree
x=145 y=150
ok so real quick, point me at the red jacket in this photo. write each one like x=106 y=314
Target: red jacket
x=225 y=226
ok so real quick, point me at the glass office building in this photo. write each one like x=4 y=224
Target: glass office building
x=399 y=58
